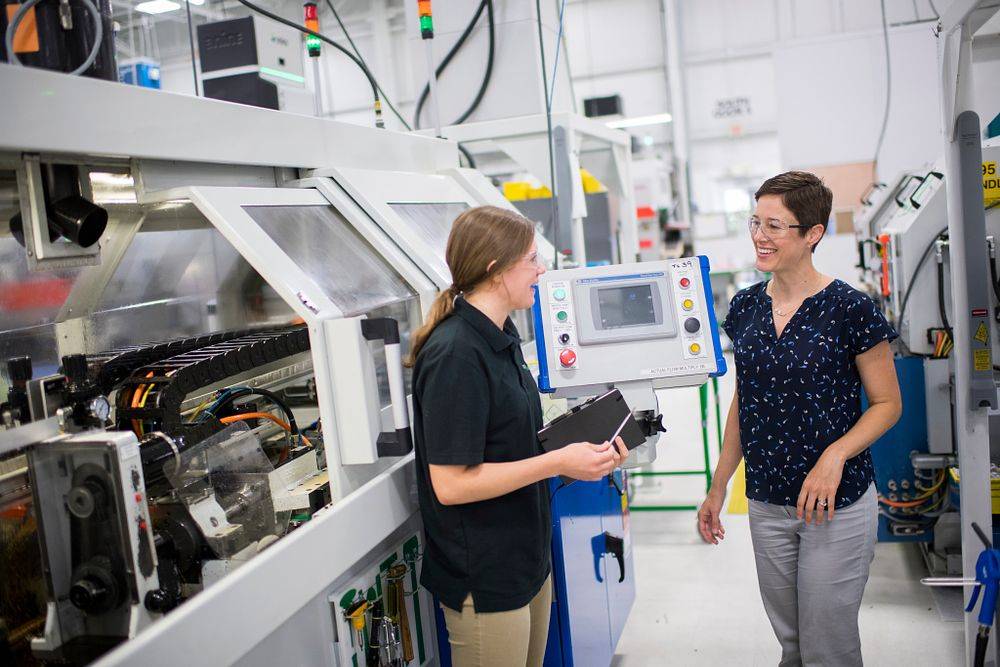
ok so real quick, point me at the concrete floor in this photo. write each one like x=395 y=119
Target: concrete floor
x=698 y=604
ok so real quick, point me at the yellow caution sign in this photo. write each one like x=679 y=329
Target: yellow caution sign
x=981 y=360
x=991 y=183
x=982 y=335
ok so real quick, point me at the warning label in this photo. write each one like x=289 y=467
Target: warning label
x=982 y=335
x=991 y=182
x=981 y=360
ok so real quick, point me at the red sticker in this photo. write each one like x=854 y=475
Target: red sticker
x=979 y=312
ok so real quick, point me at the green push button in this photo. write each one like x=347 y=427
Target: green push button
x=562 y=316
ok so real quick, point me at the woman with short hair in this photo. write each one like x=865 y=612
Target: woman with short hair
x=805 y=345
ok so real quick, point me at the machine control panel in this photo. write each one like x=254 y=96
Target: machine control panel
x=600 y=325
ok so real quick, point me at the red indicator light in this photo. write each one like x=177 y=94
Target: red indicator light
x=685 y=282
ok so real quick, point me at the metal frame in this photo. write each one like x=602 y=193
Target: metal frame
x=49 y=112
x=525 y=139
x=971 y=419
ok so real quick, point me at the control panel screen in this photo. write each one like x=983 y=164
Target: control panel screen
x=626 y=306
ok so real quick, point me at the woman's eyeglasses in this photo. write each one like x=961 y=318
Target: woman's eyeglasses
x=534 y=260
x=772 y=227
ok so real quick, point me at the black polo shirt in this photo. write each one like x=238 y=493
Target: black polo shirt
x=474 y=401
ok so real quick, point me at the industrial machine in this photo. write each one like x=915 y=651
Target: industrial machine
x=638 y=328
x=906 y=264
x=205 y=428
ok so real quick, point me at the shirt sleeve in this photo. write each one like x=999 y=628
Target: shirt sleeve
x=732 y=317
x=454 y=403
x=867 y=326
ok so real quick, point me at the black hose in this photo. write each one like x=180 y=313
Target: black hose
x=994 y=280
x=303 y=29
x=489 y=67
x=916 y=271
x=941 y=305
x=361 y=58
x=468 y=156
x=269 y=395
x=447 y=60
x=982 y=641
x=548 y=132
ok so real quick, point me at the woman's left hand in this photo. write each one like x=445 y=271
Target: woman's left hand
x=819 y=491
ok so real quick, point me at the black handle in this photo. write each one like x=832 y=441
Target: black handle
x=400 y=441
x=861 y=256
x=905 y=185
x=616 y=546
x=867 y=194
x=913 y=202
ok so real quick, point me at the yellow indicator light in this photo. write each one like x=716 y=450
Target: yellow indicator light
x=688 y=304
x=695 y=348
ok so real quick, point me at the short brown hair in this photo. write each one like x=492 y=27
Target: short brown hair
x=484 y=241
x=804 y=194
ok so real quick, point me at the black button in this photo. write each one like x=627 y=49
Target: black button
x=564 y=338
x=691 y=324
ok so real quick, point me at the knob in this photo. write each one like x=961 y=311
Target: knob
x=160 y=601
x=75 y=367
x=567 y=358
x=88 y=594
x=564 y=338
x=692 y=325
x=19 y=369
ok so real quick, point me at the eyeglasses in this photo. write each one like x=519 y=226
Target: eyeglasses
x=772 y=228
x=534 y=260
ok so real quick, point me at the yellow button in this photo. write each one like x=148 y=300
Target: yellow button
x=688 y=304
x=695 y=348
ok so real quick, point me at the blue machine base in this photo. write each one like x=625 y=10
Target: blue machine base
x=891 y=452
x=589 y=604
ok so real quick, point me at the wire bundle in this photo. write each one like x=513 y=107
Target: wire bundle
x=227 y=397
x=930 y=503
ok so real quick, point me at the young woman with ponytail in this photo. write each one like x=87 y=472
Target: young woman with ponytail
x=482 y=478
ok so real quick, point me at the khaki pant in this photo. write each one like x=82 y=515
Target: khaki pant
x=500 y=639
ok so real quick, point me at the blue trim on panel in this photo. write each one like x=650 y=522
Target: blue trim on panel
x=543 y=361
x=706 y=283
x=631 y=276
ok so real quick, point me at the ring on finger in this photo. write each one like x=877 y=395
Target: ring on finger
x=823 y=503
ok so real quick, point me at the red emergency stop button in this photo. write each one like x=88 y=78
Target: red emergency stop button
x=567 y=358
x=685 y=282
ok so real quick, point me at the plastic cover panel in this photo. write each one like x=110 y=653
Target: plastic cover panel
x=432 y=223
x=223 y=481
x=329 y=250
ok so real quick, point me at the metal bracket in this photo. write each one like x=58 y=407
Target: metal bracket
x=44 y=254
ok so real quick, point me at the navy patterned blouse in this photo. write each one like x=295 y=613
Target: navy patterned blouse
x=801 y=392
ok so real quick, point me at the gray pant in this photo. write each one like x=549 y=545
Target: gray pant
x=812 y=578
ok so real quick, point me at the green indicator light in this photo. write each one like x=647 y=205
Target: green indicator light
x=427 y=23
x=313 y=45
x=562 y=316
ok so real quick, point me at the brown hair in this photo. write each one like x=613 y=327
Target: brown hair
x=479 y=236
x=805 y=195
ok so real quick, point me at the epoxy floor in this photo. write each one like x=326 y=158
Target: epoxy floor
x=698 y=604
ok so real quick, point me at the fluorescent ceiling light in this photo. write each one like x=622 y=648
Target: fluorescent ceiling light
x=157 y=6
x=197 y=2
x=656 y=119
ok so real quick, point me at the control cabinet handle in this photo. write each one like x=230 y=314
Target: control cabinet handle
x=913 y=202
x=905 y=185
x=616 y=546
x=866 y=196
x=400 y=441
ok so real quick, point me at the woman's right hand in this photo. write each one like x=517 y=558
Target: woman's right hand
x=709 y=522
x=589 y=462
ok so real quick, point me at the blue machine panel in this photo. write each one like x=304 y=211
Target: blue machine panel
x=891 y=452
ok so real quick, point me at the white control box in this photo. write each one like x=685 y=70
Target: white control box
x=649 y=322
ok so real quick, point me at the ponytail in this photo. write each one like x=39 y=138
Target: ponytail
x=484 y=242
x=443 y=306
